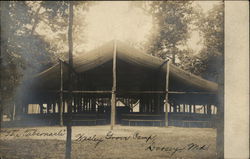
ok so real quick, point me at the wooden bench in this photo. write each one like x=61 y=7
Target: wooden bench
x=89 y=121
x=136 y=121
x=191 y=123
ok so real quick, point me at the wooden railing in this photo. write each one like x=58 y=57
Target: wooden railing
x=131 y=119
x=88 y=118
x=175 y=119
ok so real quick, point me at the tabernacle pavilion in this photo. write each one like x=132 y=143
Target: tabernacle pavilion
x=118 y=84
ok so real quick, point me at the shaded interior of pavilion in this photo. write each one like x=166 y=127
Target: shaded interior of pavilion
x=145 y=88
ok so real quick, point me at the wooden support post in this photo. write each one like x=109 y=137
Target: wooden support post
x=166 y=95
x=84 y=104
x=141 y=105
x=157 y=98
x=79 y=107
x=54 y=106
x=157 y=104
x=92 y=105
x=152 y=105
x=209 y=109
x=88 y=104
x=41 y=108
x=61 y=105
x=75 y=103
x=80 y=103
x=145 y=108
x=204 y=107
x=14 y=111
x=26 y=108
x=113 y=96
x=48 y=107
x=149 y=103
x=175 y=107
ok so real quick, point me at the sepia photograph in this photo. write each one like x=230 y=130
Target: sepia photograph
x=112 y=80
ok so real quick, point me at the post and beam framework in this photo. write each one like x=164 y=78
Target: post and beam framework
x=114 y=91
x=166 y=95
x=61 y=93
x=113 y=97
x=136 y=92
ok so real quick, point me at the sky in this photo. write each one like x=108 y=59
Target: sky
x=109 y=20
x=116 y=20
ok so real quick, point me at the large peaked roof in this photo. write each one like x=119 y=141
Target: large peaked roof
x=99 y=56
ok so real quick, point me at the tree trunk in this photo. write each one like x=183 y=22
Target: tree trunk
x=166 y=95
x=113 y=96
x=70 y=44
x=36 y=20
x=174 y=52
x=4 y=44
x=173 y=57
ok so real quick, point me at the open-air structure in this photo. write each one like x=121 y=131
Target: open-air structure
x=118 y=84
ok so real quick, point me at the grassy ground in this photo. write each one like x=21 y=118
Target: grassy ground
x=90 y=142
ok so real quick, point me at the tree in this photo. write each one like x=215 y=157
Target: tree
x=212 y=30
x=59 y=16
x=56 y=18
x=23 y=53
x=25 y=50
x=70 y=43
x=172 y=21
x=59 y=8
